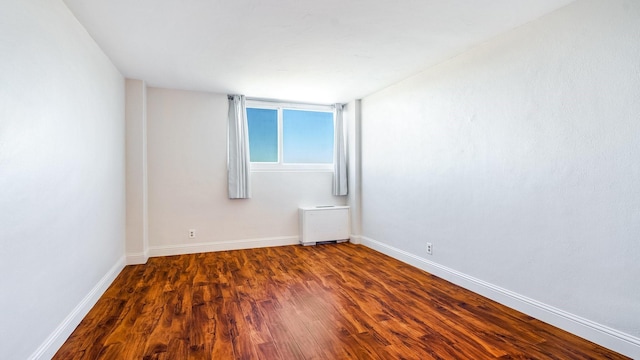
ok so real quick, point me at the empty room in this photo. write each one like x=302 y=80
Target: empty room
x=209 y=179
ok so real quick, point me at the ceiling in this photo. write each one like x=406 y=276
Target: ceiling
x=319 y=51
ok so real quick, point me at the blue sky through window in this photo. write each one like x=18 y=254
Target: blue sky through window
x=263 y=134
x=307 y=137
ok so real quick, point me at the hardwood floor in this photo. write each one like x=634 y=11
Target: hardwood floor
x=337 y=301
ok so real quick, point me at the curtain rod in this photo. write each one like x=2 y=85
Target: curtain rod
x=284 y=101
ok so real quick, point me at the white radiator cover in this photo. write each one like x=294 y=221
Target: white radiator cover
x=324 y=223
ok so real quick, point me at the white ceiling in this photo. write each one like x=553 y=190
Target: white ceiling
x=320 y=51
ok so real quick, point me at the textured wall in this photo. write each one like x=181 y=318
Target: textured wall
x=519 y=161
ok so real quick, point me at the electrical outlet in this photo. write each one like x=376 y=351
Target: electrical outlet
x=192 y=233
x=430 y=248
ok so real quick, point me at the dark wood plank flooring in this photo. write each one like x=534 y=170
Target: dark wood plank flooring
x=332 y=301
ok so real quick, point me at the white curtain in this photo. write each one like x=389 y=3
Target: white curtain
x=238 y=149
x=339 y=155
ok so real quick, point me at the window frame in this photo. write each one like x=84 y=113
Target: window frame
x=280 y=166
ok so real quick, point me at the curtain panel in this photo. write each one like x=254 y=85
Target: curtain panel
x=339 y=154
x=238 y=158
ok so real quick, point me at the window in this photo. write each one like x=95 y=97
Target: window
x=290 y=136
x=263 y=135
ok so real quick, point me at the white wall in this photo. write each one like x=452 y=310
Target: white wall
x=354 y=198
x=62 y=196
x=519 y=161
x=137 y=244
x=188 y=182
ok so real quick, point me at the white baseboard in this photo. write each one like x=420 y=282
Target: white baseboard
x=355 y=239
x=51 y=345
x=167 y=250
x=137 y=258
x=600 y=334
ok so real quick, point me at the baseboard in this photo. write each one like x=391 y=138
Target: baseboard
x=51 y=345
x=167 y=250
x=600 y=334
x=355 y=239
x=137 y=258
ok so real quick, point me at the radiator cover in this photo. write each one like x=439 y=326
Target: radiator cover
x=324 y=223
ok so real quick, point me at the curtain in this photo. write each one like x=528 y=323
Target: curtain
x=238 y=170
x=339 y=155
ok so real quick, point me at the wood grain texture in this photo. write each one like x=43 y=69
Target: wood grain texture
x=337 y=301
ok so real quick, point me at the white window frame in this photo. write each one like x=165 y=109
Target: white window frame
x=280 y=166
